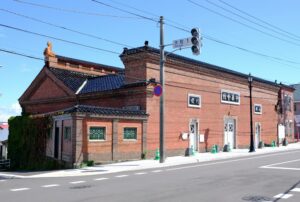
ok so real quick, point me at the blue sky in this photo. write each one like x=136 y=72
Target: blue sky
x=282 y=42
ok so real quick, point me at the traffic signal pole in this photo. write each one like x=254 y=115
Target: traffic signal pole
x=162 y=101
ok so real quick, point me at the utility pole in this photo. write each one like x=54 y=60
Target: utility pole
x=252 y=149
x=162 y=101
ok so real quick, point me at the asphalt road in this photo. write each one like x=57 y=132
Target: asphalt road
x=269 y=177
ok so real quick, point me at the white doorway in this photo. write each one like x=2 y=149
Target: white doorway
x=229 y=132
x=193 y=134
x=257 y=134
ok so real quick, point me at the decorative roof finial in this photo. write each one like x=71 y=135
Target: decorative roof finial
x=48 y=51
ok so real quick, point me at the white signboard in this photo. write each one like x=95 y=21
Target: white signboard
x=230 y=97
x=281 y=131
x=194 y=100
x=180 y=43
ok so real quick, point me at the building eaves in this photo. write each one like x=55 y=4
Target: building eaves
x=104 y=111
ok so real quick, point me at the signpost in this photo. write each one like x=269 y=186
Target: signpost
x=157 y=90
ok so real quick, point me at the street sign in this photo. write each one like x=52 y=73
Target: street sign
x=180 y=43
x=157 y=90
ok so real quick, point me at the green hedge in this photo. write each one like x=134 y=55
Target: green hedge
x=27 y=143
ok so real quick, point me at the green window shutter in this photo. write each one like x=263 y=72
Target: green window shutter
x=130 y=133
x=97 y=133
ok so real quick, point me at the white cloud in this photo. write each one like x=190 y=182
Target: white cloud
x=6 y=112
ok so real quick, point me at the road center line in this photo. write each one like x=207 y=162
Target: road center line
x=20 y=189
x=50 y=185
x=100 y=179
x=156 y=171
x=120 y=176
x=77 y=182
x=141 y=173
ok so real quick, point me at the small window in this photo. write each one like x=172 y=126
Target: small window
x=97 y=133
x=130 y=133
x=67 y=133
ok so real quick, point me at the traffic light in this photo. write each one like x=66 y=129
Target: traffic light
x=196 y=43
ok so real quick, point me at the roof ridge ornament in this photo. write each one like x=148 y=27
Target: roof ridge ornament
x=48 y=51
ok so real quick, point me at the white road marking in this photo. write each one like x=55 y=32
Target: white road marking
x=119 y=176
x=280 y=168
x=20 y=189
x=2 y=180
x=100 y=179
x=296 y=189
x=77 y=182
x=141 y=173
x=228 y=161
x=50 y=185
x=156 y=171
x=283 y=196
x=275 y=164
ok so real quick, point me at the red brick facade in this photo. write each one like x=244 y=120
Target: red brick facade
x=214 y=122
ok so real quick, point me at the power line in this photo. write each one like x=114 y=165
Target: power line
x=241 y=23
x=63 y=27
x=125 y=11
x=71 y=10
x=204 y=36
x=260 y=20
x=58 y=39
x=251 y=21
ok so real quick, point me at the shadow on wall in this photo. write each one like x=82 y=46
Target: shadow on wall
x=206 y=133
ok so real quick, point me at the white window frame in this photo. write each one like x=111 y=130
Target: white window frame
x=99 y=140
x=259 y=105
x=191 y=105
x=229 y=102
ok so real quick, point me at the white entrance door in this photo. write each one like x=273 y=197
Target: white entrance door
x=229 y=132
x=193 y=135
x=257 y=134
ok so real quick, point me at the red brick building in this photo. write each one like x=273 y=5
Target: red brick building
x=104 y=113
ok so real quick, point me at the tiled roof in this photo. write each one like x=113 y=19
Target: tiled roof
x=71 y=79
x=296 y=92
x=103 y=83
x=196 y=62
x=104 y=111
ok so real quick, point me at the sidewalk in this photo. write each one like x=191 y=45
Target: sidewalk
x=148 y=164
